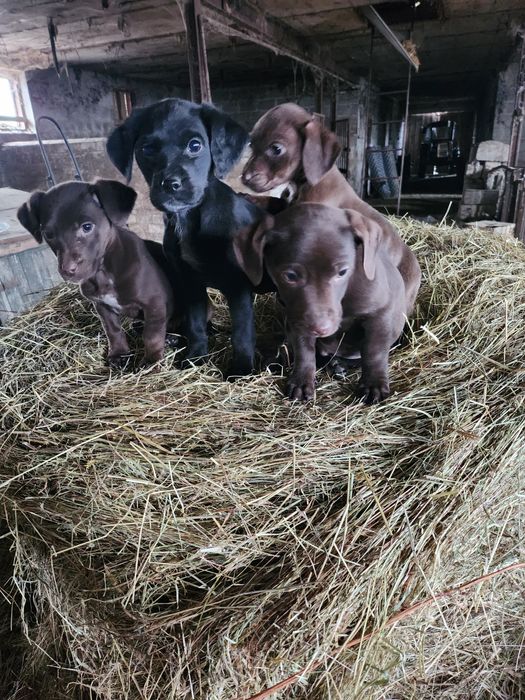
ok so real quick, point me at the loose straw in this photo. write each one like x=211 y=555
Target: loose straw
x=355 y=641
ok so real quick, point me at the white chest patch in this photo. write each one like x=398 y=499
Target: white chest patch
x=110 y=300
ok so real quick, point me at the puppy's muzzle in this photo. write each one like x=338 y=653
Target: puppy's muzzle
x=171 y=185
x=255 y=180
x=321 y=325
x=70 y=273
x=69 y=266
x=171 y=192
x=322 y=330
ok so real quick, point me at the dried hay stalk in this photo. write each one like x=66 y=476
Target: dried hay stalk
x=176 y=536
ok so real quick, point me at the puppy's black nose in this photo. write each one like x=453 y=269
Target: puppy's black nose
x=320 y=329
x=69 y=270
x=171 y=184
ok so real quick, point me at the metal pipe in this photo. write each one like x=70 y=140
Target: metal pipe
x=405 y=131
x=388 y=121
x=367 y=117
x=333 y=104
x=50 y=175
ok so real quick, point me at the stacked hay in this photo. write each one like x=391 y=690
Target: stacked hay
x=177 y=536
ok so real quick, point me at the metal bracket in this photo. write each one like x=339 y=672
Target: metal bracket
x=50 y=175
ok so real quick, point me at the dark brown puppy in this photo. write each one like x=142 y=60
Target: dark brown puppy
x=289 y=145
x=84 y=225
x=343 y=294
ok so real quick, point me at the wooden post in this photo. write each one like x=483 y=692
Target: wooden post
x=510 y=213
x=196 y=47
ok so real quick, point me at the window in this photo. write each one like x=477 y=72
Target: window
x=15 y=107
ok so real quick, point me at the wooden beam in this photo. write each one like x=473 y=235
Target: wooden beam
x=375 y=19
x=248 y=21
x=196 y=48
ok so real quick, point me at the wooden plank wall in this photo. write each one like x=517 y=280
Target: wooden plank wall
x=13 y=236
x=25 y=278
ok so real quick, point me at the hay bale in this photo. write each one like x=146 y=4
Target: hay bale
x=177 y=536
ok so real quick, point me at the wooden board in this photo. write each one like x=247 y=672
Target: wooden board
x=13 y=236
x=25 y=278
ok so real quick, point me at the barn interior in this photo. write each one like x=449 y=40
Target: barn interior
x=427 y=98
x=397 y=80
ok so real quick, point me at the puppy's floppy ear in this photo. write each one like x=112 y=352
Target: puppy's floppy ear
x=370 y=234
x=320 y=150
x=227 y=139
x=29 y=215
x=116 y=199
x=248 y=245
x=121 y=142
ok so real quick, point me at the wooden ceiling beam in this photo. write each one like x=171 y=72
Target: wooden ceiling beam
x=248 y=21
x=286 y=8
x=196 y=51
x=375 y=19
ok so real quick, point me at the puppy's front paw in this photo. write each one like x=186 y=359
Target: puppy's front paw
x=300 y=387
x=151 y=362
x=373 y=391
x=120 y=362
x=239 y=368
x=195 y=355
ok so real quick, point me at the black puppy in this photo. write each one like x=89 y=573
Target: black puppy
x=182 y=149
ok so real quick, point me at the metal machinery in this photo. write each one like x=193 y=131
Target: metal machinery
x=439 y=152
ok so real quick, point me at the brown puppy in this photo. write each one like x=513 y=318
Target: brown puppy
x=84 y=225
x=289 y=145
x=341 y=290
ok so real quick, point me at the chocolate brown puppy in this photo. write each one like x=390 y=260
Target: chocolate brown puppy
x=84 y=225
x=342 y=292
x=289 y=145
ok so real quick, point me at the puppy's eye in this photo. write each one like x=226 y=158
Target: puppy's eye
x=87 y=227
x=148 y=149
x=290 y=276
x=277 y=149
x=342 y=272
x=194 y=146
